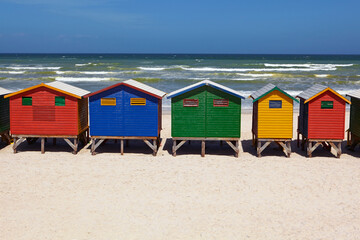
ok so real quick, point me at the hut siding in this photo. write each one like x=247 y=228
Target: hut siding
x=355 y=116
x=124 y=119
x=326 y=123
x=275 y=122
x=4 y=114
x=206 y=120
x=28 y=120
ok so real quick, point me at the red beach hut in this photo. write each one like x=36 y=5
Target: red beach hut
x=51 y=110
x=322 y=118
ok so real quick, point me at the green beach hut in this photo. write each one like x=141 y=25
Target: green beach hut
x=353 y=133
x=4 y=115
x=205 y=111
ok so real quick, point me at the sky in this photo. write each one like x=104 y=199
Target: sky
x=186 y=26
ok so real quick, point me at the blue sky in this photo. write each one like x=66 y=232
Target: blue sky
x=165 y=26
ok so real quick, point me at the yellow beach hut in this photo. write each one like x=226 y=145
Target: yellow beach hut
x=272 y=119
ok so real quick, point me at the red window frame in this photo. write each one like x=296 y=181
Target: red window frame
x=220 y=102
x=190 y=102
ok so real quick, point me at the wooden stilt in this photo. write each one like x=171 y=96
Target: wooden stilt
x=202 y=148
x=42 y=145
x=122 y=146
x=174 y=148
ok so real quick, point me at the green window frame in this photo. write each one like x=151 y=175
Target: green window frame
x=59 y=101
x=27 y=101
x=327 y=104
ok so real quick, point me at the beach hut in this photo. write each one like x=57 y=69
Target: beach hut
x=127 y=110
x=4 y=115
x=205 y=111
x=321 y=119
x=353 y=133
x=49 y=110
x=272 y=118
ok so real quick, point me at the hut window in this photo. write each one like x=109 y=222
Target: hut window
x=275 y=104
x=220 y=102
x=137 y=101
x=59 y=101
x=191 y=102
x=27 y=101
x=327 y=104
x=108 y=102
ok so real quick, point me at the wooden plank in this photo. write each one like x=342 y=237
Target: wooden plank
x=93 y=146
x=203 y=148
x=42 y=145
x=122 y=137
x=180 y=144
x=150 y=145
x=155 y=147
x=73 y=146
x=17 y=142
x=174 y=148
x=122 y=146
x=262 y=148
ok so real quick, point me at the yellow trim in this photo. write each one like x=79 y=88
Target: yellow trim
x=41 y=85
x=137 y=101
x=108 y=101
x=328 y=89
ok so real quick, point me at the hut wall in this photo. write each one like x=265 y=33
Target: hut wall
x=4 y=114
x=205 y=120
x=326 y=123
x=124 y=119
x=140 y=120
x=222 y=121
x=83 y=114
x=43 y=117
x=255 y=118
x=355 y=116
x=106 y=120
x=188 y=121
x=275 y=122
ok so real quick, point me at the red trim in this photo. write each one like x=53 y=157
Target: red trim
x=119 y=84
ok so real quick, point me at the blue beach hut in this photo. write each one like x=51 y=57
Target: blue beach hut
x=124 y=111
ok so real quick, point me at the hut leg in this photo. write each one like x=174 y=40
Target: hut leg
x=174 y=148
x=288 y=144
x=75 y=146
x=42 y=145
x=122 y=146
x=155 y=147
x=203 y=148
x=309 y=152
x=237 y=149
x=258 y=148
x=15 y=144
x=339 y=150
x=93 y=146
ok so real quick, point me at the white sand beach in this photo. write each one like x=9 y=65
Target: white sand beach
x=58 y=195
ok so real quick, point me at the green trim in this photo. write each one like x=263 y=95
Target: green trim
x=27 y=101
x=276 y=88
x=59 y=101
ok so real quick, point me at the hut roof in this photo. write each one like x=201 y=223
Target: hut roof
x=355 y=94
x=57 y=86
x=266 y=90
x=135 y=85
x=204 y=83
x=316 y=90
x=4 y=91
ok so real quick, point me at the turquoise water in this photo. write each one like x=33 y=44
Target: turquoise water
x=168 y=72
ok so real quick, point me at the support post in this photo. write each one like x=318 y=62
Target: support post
x=203 y=148
x=42 y=145
x=174 y=148
x=122 y=146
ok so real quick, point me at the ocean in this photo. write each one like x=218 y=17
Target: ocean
x=169 y=72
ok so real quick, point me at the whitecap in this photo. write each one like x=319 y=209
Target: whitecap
x=34 y=68
x=152 y=68
x=81 y=79
x=12 y=72
x=255 y=75
x=83 y=64
x=212 y=69
x=322 y=75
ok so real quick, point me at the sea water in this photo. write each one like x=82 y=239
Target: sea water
x=169 y=72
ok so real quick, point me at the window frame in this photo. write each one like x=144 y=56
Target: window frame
x=62 y=104
x=275 y=102
x=328 y=106
x=135 y=103
x=24 y=98
x=109 y=99
x=186 y=102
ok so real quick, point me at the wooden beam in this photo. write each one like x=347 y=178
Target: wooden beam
x=42 y=145
x=180 y=144
x=122 y=146
x=203 y=148
x=262 y=148
x=174 y=148
x=17 y=142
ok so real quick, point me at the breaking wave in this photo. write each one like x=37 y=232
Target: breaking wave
x=82 y=79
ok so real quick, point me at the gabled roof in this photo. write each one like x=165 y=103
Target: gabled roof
x=135 y=85
x=204 y=83
x=317 y=90
x=57 y=86
x=4 y=91
x=266 y=90
x=355 y=94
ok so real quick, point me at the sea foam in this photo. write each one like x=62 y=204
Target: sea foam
x=81 y=79
x=34 y=68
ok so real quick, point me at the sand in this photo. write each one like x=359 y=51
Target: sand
x=58 y=195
